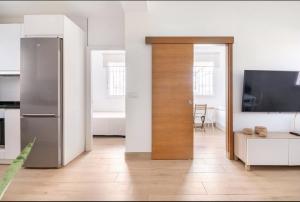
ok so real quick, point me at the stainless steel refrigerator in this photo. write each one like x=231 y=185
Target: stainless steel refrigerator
x=41 y=101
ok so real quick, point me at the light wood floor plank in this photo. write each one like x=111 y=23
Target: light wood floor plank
x=105 y=174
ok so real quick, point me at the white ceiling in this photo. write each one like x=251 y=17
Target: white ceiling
x=135 y=6
x=14 y=9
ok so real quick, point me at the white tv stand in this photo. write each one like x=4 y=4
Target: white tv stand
x=275 y=149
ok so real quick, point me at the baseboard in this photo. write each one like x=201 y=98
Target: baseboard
x=197 y=125
x=123 y=136
x=138 y=155
x=6 y=161
x=221 y=127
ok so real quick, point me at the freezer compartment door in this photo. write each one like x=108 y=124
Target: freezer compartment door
x=41 y=64
x=47 y=150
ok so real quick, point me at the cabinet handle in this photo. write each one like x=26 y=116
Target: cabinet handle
x=38 y=115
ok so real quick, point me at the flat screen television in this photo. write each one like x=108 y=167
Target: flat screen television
x=271 y=91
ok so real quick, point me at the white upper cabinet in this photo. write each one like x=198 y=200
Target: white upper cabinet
x=43 y=25
x=10 y=35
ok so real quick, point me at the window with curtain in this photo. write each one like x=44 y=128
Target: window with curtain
x=204 y=78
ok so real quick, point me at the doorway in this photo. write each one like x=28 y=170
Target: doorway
x=169 y=141
x=209 y=99
x=107 y=99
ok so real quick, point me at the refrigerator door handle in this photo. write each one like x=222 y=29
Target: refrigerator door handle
x=39 y=115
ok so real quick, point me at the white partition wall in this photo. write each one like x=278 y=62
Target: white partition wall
x=74 y=91
x=73 y=76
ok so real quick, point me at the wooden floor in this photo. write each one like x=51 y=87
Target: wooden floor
x=104 y=174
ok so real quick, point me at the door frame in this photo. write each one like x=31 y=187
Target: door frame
x=89 y=93
x=228 y=41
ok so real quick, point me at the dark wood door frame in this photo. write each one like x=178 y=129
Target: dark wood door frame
x=228 y=41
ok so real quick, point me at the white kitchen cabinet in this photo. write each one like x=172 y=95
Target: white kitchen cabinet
x=10 y=35
x=268 y=152
x=44 y=25
x=2 y=156
x=12 y=133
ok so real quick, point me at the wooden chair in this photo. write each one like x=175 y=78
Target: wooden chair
x=210 y=118
x=200 y=112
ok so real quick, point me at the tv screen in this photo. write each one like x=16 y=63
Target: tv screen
x=271 y=91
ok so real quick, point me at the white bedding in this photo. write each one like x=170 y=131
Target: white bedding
x=109 y=123
x=109 y=115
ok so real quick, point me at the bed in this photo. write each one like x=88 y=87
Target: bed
x=109 y=123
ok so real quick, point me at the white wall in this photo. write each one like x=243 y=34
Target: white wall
x=7 y=20
x=106 y=32
x=138 y=84
x=9 y=88
x=266 y=37
x=102 y=101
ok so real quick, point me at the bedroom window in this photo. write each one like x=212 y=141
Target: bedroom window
x=203 y=78
x=112 y=73
x=116 y=78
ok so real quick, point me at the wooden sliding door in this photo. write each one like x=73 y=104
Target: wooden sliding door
x=172 y=101
x=172 y=95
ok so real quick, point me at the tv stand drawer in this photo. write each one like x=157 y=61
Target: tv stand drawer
x=267 y=152
x=294 y=152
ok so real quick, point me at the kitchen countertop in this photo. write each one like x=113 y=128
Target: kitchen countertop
x=9 y=105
